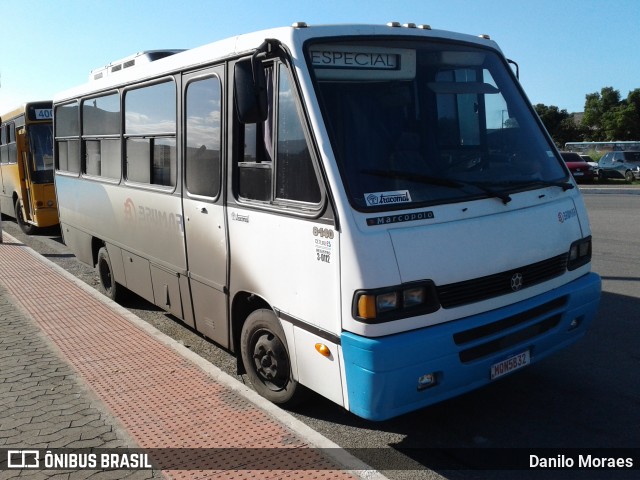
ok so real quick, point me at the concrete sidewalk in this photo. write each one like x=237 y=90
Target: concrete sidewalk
x=78 y=371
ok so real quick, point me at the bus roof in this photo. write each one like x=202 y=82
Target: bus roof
x=20 y=110
x=296 y=34
x=146 y=56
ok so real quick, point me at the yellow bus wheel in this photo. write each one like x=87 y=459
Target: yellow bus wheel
x=24 y=226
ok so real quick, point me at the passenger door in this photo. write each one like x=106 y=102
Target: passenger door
x=203 y=206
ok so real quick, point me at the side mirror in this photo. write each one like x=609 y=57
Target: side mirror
x=515 y=67
x=250 y=86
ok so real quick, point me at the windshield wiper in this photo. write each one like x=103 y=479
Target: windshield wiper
x=563 y=185
x=545 y=183
x=438 y=181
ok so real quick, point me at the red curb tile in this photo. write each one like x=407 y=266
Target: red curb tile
x=163 y=400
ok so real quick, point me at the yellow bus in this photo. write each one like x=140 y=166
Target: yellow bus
x=26 y=166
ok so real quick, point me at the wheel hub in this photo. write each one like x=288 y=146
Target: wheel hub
x=270 y=359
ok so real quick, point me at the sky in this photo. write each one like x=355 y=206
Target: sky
x=566 y=49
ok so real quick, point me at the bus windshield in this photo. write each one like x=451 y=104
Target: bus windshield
x=41 y=146
x=415 y=123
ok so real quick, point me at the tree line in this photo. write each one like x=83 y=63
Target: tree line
x=607 y=117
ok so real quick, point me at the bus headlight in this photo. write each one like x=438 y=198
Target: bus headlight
x=386 y=302
x=382 y=305
x=579 y=253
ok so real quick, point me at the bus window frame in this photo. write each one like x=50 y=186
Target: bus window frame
x=67 y=139
x=84 y=138
x=151 y=136
x=194 y=77
x=280 y=65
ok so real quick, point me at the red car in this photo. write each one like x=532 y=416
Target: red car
x=580 y=169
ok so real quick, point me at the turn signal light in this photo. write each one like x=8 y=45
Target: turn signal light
x=323 y=350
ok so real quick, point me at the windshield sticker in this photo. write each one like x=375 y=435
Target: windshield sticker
x=387 y=198
x=405 y=217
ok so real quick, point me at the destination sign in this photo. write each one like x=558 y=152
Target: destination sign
x=44 y=113
x=362 y=62
x=40 y=113
x=355 y=59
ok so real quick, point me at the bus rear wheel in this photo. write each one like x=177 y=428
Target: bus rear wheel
x=24 y=226
x=105 y=275
x=266 y=359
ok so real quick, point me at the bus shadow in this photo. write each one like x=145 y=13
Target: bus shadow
x=586 y=396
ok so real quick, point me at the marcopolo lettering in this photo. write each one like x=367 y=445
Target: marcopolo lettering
x=405 y=217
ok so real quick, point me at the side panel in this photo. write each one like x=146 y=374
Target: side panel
x=142 y=229
x=144 y=222
x=79 y=242
x=314 y=369
x=286 y=261
x=137 y=271
x=166 y=290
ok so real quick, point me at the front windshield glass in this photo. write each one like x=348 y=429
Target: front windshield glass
x=41 y=145
x=414 y=123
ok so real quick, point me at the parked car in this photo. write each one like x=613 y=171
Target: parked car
x=589 y=160
x=581 y=170
x=620 y=165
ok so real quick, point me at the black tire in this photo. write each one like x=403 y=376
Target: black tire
x=105 y=274
x=266 y=359
x=24 y=226
x=628 y=176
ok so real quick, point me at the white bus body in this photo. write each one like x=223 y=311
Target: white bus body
x=373 y=212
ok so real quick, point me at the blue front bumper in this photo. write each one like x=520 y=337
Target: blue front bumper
x=382 y=373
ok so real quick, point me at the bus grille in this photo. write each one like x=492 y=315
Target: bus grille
x=478 y=289
x=545 y=317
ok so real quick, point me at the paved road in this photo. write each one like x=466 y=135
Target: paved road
x=586 y=396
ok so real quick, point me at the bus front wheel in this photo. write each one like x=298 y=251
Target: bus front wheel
x=24 y=226
x=266 y=359
x=105 y=275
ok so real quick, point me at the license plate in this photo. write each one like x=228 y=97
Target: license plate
x=510 y=364
x=577 y=174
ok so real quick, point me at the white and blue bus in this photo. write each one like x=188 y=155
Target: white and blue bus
x=374 y=213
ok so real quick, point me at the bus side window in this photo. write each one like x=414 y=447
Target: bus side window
x=11 y=140
x=256 y=164
x=203 y=137
x=67 y=137
x=4 y=150
x=101 y=136
x=150 y=134
x=294 y=176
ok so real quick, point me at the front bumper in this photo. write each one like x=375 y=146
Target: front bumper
x=382 y=373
